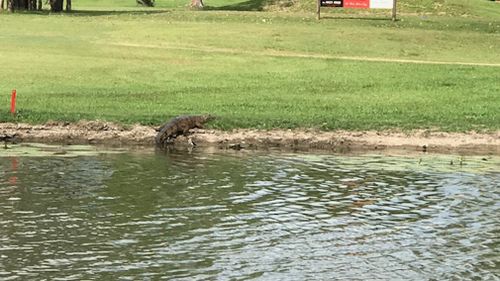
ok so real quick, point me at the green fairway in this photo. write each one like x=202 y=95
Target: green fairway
x=439 y=67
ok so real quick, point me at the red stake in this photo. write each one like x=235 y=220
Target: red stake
x=13 y=103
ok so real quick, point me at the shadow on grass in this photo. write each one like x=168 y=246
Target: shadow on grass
x=355 y=17
x=97 y=13
x=92 y=13
x=250 y=5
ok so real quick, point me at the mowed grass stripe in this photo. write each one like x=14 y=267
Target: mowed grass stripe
x=276 y=53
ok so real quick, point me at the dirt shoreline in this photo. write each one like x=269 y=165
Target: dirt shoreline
x=98 y=132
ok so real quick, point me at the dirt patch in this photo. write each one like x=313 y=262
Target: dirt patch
x=80 y=132
x=342 y=141
x=299 y=139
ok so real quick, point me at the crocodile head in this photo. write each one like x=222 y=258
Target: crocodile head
x=208 y=117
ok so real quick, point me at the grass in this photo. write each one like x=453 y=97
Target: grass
x=117 y=62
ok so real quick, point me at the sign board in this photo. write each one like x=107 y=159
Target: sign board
x=358 y=4
x=332 y=3
x=381 y=4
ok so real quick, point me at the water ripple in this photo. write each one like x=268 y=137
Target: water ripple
x=196 y=216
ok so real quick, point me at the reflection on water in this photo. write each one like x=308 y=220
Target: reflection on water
x=233 y=216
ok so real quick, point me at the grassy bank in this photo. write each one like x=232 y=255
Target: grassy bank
x=254 y=69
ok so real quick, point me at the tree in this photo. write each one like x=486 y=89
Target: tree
x=20 y=5
x=33 y=5
x=197 y=4
x=56 y=5
x=147 y=3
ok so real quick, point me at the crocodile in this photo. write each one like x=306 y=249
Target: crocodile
x=180 y=125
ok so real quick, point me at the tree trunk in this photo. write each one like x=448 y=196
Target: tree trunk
x=39 y=6
x=197 y=4
x=13 y=5
x=18 y=5
x=146 y=3
x=68 y=6
x=56 y=6
x=32 y=5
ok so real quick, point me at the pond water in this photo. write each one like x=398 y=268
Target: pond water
x=83 y=213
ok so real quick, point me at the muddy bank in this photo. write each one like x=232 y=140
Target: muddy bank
x=97 y=132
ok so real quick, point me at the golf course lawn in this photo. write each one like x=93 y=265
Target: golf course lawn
x=435 y=68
